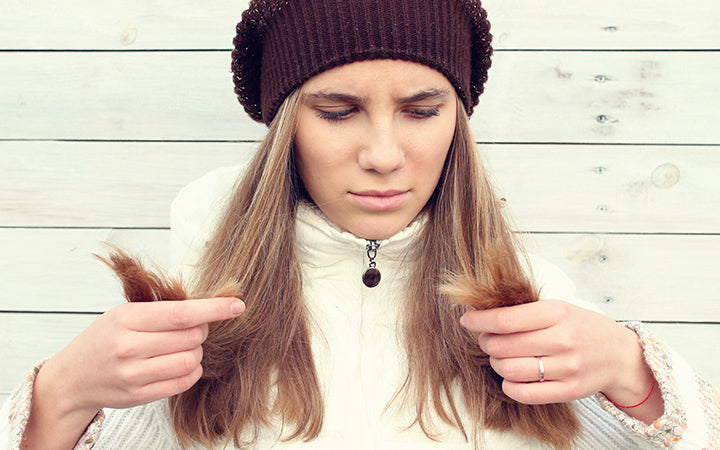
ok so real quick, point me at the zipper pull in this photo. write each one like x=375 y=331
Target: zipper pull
x=371 y=277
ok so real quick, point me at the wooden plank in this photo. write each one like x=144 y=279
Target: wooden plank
x=606 y=97
x=126 y=25
x=646 y=277
x=629 y=189
x=611 y=24
x=576 y=97
x=155 y=96
x=102 y=184
x=27 y=338
x=549 y=188
x=516 y=24
x=639 y=277
x=55 y=270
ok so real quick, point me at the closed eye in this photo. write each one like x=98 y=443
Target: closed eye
x=423 y=113
x=334 y=116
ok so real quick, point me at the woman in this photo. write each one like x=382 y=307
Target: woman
x=355 y=235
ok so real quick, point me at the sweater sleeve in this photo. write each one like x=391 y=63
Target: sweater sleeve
x=691 y=418
x=145 y=426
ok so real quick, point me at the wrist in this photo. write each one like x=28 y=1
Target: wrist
x=634 y=389
x=57 y=388
x=631 y=378
x=57 y=420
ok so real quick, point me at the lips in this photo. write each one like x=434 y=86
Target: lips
x=380 y=200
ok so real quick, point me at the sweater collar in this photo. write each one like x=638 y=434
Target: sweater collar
x=316 y=234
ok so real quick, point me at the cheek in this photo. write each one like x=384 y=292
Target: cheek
x=318 y=167
x=310 y=170
x=307 y=154
x=323 y=152
x=434 y=149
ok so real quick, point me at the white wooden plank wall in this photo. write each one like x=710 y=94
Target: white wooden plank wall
x=599 y=123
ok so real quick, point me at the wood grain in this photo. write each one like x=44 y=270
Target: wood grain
x=28 y=338
x=639 y=277
x=618 y=189
x=531 y=97
x=516 y=24
x=108 y=184
x=55 y=270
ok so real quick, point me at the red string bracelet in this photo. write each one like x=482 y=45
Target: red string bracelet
x=635 y=406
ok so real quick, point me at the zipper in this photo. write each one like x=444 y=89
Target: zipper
x=371 y=276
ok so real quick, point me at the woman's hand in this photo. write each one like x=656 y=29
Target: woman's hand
x=582 y=352
x=134 y=354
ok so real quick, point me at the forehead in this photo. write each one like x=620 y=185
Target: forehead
x=378 y=75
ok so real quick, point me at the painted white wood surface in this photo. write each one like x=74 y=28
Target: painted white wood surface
x=610 y=24
x=576 y=188
x=102 y=184
x=517 y=24
x=619 y=189
x=55 y=270
x=28 y=338
x=640 y=277
x=644 y=97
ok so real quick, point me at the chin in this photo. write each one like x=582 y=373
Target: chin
x=379 y=236
x=378 y=230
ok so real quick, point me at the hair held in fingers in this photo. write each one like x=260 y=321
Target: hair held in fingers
x=221 y=405
x=556 y=423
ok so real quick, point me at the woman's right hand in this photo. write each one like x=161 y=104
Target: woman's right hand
x=134 y=354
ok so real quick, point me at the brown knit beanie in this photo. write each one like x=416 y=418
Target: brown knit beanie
x=282 y=43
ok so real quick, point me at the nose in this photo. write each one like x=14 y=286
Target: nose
x=382 y=150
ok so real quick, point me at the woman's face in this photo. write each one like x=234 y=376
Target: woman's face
x=371 y=142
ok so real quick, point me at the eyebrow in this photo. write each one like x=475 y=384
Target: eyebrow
x=429 y=94
x=339 y=97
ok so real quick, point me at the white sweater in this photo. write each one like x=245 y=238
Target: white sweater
x=361 y=363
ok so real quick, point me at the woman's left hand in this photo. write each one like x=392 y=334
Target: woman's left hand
x=582 y=352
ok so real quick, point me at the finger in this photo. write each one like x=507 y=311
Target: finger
x=530 y=343
x=514 y=319
x=165 y=367
x=525 y=370
x=141 y=345
x=179 y=315
x=542 y=393
x=161 y=389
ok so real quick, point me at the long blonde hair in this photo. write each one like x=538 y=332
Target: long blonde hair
x=466 y=255
x=259 y=368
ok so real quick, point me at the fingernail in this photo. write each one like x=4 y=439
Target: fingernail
x=463 y=321
x=237 y=307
